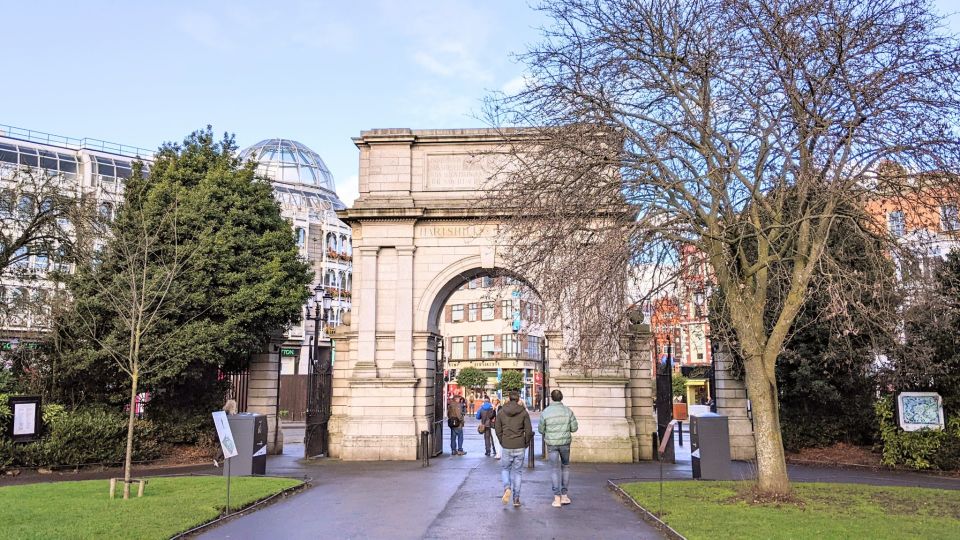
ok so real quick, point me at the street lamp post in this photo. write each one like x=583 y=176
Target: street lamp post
x=320 y=379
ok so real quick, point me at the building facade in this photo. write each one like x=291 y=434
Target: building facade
x=76 y=167
x=494 y=324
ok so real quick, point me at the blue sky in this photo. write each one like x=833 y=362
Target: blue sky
x=319 y=72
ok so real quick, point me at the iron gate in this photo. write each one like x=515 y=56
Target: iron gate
x=436 y=430
x=316 y=438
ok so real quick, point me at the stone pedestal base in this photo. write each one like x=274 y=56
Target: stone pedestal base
x=379 y=424
x=600 y=405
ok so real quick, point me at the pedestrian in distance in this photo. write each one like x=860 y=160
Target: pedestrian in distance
x=455 y=422
x=515 y=433
x=557 y=424
x=487 y=416
x=496 y=411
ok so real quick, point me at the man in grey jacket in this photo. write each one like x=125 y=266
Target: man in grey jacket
x=557 y=423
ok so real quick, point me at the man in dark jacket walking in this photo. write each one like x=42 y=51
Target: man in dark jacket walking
x=515 y=433
x=487 y=417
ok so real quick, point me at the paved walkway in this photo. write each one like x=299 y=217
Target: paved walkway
x=456 y=497
x=459 y=497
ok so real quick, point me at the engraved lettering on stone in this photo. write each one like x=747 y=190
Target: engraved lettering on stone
x=454 y=171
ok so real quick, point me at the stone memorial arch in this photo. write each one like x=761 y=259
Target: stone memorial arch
x=418 y=235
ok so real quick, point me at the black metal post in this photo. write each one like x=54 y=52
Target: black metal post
x=530 y=453
x=665 y=400
x=713 y=376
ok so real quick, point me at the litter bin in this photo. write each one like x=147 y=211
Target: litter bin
x=250 y=435
x=710 y=447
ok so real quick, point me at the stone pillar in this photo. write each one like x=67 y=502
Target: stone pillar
x=403 y=333
x=731 y=401
x=641 y=388
x=262 y=392
x=365 y=310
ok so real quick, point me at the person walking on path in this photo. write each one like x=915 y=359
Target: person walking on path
x=455 y=421
x=487 y=417
x=557 y=423
x=515 y=433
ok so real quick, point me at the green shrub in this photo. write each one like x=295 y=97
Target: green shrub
x=82 y=437
x=923 y=449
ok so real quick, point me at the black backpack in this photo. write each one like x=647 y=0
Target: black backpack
x=453 y=422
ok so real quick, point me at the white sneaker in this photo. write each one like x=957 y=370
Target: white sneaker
x=564 y=499
x=556 y=501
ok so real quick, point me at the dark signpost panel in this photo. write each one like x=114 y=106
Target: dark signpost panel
x=27 y=419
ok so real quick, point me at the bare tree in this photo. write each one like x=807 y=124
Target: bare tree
x=740 y=127
x=136 y=279
x=44 y=216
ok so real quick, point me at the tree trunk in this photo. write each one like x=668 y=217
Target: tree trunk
x=771 y=464
x=129 y=457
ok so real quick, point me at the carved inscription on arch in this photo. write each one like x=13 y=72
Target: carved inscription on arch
x=454 y=172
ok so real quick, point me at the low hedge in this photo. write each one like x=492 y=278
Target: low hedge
x=81 y=437
x=923 y=449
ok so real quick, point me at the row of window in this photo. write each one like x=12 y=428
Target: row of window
x=486 y=282
x=491 y=310
x=949 y=220
x=342 y=280
x=490 y=346
x=66 y=164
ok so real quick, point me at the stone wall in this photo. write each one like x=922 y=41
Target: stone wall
x=264 y=383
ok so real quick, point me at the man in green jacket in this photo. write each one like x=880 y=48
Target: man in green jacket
x=515 y=433
x=557 y=423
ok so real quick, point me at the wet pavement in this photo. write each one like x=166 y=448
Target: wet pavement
x=455 y=497
x=459 y=497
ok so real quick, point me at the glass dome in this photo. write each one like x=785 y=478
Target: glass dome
x=290 y=162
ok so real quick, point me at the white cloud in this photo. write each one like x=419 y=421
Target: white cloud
x=516 y=85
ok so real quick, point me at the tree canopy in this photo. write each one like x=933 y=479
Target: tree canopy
x=241 y=281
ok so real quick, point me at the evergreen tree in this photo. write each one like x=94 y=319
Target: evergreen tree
x=242 y=281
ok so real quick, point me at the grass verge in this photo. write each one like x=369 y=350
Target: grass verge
x=718 y=510
x=84 y=509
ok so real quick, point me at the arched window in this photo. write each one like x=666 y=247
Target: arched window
x=343 y=244
x=331 y=242
x=301 y=236
x=342 y=281
x=349 y=284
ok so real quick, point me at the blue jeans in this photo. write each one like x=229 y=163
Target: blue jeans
x=456 y=440
x=559 y=467
x=511 y=468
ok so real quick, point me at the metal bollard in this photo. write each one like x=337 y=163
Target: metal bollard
x=530 y=454
x=425 y=448
x=680 y=429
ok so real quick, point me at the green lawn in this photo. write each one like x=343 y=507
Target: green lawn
x=716 y=510
x=85 y=510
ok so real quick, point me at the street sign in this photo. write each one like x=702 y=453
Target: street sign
x=224 y=434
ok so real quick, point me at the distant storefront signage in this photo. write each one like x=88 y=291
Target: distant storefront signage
x=14 y=345
x=288 y=351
